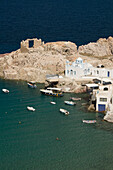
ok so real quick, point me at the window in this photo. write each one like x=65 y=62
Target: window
x=97 y=72
x=71 y=72
x=105 y=89
x=103 y=99
x=74 y=72
x=31 y=43
x=67 y=71
x=111 y=100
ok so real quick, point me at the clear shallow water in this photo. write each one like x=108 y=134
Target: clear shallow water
x=79 y=21
x=33 y=145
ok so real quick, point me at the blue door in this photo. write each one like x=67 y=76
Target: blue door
x=108 y=73
x=101 y=107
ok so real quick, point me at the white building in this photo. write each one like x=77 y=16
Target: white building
x=103 y=97
x=77 y=69
x=102 y=72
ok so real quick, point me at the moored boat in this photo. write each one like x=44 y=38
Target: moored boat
x=30 y=108
x=70 y=103
x=5 y=90
x=64 y=111
x=32 y=84
x=52 y=92
x=53 y=102
x=89 y=121
x=74 y=98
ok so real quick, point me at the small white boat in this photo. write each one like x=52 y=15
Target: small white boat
x=30 y=108
x=64 y=111
x=32 y=84
x=89 y=121
x=5 y=90
x=74 y=98
x=71 y=103
x=53 y=102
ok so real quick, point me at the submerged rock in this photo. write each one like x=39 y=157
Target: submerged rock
x=91 y=107
x=109 y=117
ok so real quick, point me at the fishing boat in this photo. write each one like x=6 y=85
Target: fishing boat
x=89 y=121
x=53 y=102
x=70 y=103
x=51 y=91
x=5 y=90
x=74 y=98
x=32 y=84
x=64 y=111
x=30 y=108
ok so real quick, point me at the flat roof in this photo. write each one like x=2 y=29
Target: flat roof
x=92 y=85
x=52 y=80
x=53 y=88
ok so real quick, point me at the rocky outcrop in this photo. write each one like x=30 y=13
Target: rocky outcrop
x=103 y=47
x=34 y=63
x=109 y=117
x=91 y=107
x=37 y=62
x=71 y=85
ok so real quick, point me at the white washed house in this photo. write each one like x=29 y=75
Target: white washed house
x=102 y=72
x=103 y=97
x=77 y=69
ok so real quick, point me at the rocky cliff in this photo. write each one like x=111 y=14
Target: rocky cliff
x=103 y=47
x=33 y=63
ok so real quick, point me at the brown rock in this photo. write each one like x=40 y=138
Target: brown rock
x=91 y=107
x=103 y=47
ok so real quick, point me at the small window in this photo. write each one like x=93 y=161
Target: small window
x=103 y=99
x=31 y=43
x=71 y=72
x=74 y=72
x=97 y=72
x=105 y=89
x=67 y=71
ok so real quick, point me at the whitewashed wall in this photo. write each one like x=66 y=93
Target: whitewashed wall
x=77 y=69
x=102 y=72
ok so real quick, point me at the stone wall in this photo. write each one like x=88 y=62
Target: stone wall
x=24 y=45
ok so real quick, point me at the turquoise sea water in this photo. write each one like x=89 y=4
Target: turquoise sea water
x=32 y=145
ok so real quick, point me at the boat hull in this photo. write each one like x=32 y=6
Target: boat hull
x=5 y=90
x=31 y=86
x=70 y=103
x=75 y=99
x=89 y=121
x=30 y=109
x=64 y=111
x=52 y=94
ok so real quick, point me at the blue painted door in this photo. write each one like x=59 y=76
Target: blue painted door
x=101 y=107
x=108 y=73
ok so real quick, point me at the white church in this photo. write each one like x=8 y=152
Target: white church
x=78 y=69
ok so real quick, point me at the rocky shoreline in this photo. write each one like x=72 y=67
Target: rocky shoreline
x=34 y=63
